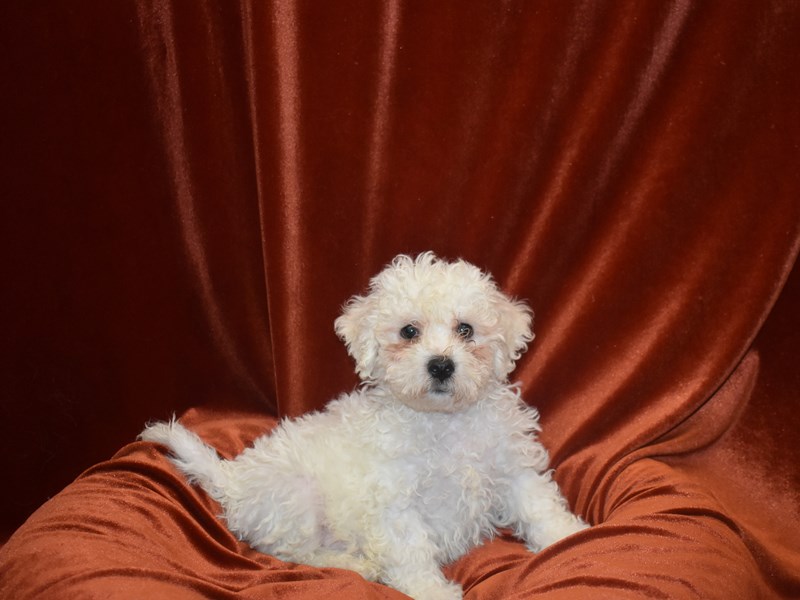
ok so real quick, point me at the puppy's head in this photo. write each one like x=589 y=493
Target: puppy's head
x=435 y=334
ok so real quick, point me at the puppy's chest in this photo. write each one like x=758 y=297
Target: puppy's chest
x=454 y=468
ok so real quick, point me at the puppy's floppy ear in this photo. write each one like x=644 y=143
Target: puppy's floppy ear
x=514 y=321
x=356 y=327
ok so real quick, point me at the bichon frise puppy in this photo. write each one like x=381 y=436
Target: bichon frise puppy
x=425 y=460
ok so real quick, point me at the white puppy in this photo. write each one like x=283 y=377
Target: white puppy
x=431 y=455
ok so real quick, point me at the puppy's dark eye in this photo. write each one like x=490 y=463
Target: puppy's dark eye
x=465 y=330
x=409 y=332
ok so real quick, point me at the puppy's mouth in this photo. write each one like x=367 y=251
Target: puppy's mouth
x=440 y=388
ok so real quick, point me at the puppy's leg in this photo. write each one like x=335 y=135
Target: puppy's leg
x=539 y=512
x=339 y=560
x=408 y=559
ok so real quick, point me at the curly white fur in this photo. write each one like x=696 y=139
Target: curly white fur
x=423 y=462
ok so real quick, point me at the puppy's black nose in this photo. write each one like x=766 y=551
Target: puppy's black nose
x=441 y=368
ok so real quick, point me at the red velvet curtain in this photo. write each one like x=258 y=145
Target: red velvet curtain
x=192 y=190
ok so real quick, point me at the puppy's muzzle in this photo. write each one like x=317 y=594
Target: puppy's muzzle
x=441 y=368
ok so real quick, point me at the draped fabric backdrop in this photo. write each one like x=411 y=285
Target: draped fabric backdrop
x=191 y=190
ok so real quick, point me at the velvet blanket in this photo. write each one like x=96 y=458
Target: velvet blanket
x=192 y=190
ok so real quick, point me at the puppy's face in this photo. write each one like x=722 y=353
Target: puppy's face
x=435 y=334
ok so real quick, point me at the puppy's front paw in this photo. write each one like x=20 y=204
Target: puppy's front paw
x=555 y=531
x=446 y=591
x=437 y=588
